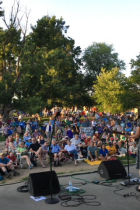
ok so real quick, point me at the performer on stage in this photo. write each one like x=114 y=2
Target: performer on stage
x=137 y=135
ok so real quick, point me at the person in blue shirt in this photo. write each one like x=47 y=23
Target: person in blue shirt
x=28 y=143
x=56 y=151
x=26 y=137
x=7 y=165
x=104 y=153
x=22 y=125
x=128 y=129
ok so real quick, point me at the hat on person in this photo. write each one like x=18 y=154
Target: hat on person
x=132 y=131
x=2 y=153
x=96 y=131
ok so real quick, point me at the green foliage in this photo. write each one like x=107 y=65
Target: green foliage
x=114 y=92
x=41 y=69
x=1 y=11
x=97 y=56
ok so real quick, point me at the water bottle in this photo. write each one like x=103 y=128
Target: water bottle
x=70 y=186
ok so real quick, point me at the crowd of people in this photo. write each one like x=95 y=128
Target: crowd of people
x=64 y=137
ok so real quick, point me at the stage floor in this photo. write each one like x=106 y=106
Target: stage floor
x=10 y=198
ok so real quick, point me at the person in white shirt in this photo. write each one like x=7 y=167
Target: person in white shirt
x=49 y=130
x=75 y=141
x=71 y=149
x=94 y=123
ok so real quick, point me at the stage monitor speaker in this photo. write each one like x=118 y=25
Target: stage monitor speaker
x=39 y=183
x=112 y=169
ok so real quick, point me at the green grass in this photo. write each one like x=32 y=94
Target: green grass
x=2 y=138
x=124 y=160
x=24 y=178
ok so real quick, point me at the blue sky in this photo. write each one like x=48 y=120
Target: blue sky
x=112 y=21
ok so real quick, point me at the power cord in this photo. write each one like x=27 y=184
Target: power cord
x=23 y=188
x=77 y=200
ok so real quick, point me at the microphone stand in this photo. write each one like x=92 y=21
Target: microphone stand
x=129 y=182
x=51 y=200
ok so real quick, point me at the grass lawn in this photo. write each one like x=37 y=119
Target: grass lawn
x=124 y=160
x=2 y=138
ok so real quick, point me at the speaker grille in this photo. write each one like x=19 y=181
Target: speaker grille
x=40 y=183
x=112 y=169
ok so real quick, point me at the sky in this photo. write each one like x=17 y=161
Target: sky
x=114 y=22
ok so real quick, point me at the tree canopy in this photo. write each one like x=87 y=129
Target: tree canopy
x=114 y=92
x=97 y=56
x=43 y=65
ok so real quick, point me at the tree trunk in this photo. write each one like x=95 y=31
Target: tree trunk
x=5 y=113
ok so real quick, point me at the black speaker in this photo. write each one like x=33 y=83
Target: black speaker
x=39 y=183
x=112 y=169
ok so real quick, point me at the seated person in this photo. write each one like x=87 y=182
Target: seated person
x=76 y=141
x=11 y=145
x=11 y=130
x=28 y=143
x=18 y=129
x=45 y=148
x=7 y=142
x=88 y=140
x=24 y=154
x=17 y=143
x=116 y=145
x=12 y=157
x=104 y=137
x=36 y=150
x=69 y=133
x=41 y=140
x=6 y=165
x=92 y=152
x=71 y=149
x=127 y=129
x=56 y=151
x=115 y=138
x=83 y=136
x=97 y=141
x=111 y=149
x=58 y=135
x=36 y=133
x=17 y=136
x=63 y=142
x=133 y=150
x=26 y=137
x=104 y=153
x=97 y=135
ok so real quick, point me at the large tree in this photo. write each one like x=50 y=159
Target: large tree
x=41 y=69
x=97 y=56
x=114 y=92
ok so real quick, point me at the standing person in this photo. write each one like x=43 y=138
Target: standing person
x=137 y=135
x=94 y=125
x=57 y=125
x=49 y=130
x=28 y=128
